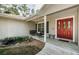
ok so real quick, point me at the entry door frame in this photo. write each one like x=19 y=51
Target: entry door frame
x=73 y=28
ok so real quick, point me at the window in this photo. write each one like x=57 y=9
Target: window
x=36 y=27
x=41 y=27
x=47 y=27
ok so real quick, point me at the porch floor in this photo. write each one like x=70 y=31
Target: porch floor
x=51 y=49
x=65 y=45
x=38 y=38
x=57 y=47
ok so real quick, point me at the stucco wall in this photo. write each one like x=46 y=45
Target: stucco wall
x=11 y=27
x=65 y=13
x=3 y=28
x=31 y=25
x=17 y=28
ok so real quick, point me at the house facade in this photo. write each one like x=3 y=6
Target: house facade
x=59 y=20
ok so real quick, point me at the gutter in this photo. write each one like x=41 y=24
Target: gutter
x=44 y=6
x=10 y=16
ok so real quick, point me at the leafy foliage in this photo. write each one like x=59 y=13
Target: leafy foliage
x=18 y=9
x=13 y=40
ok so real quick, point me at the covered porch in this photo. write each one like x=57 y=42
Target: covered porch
x=38 y=30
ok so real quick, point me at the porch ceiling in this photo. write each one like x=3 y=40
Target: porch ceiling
x=35 y=18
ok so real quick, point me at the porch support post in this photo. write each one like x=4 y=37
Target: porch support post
x=78 y=25
x=45 y=28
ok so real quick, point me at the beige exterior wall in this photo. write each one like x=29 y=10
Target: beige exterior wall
x=17 y=28
x=65 y=13
x=31 y=25
x=3 y=28
x=11 y=27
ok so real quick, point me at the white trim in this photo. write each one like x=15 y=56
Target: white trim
x=40 y=22
x=73 y=27
x=45 y=22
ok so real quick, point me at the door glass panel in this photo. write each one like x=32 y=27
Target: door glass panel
x=58 y=25
x=64 y=25
x=68 y=24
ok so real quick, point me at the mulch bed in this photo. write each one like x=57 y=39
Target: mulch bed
x=23 y=48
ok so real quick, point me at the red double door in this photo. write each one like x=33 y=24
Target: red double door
x=65 y=28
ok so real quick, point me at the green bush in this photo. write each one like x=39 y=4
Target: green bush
x=23 y=38
x=29 y=38
x=19 y=38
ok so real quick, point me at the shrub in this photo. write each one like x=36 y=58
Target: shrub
x=13 y=40
x=19 y=39
x=22 y=38
x=28 y=38
x=7 y=12
x=8 y=41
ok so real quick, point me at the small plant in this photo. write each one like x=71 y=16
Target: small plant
x=25 y=38
x=28 y=38
x=19 y=39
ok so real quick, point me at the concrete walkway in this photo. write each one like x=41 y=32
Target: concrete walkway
x=51 y=49
x=58 y=47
